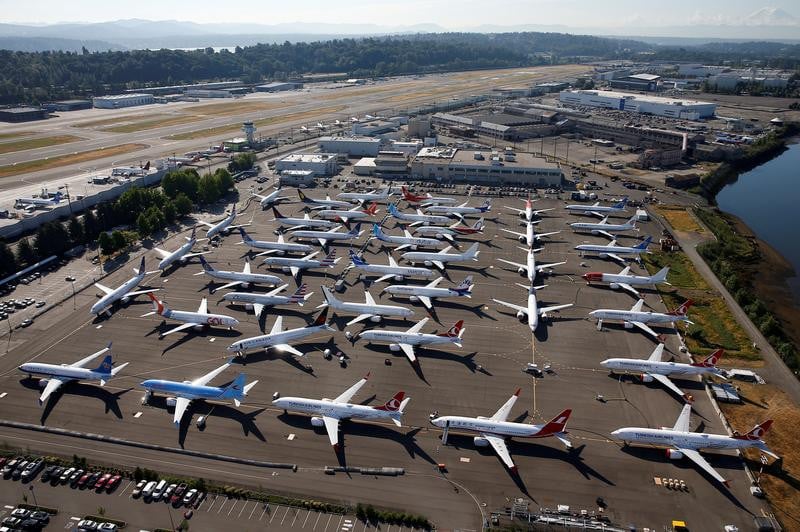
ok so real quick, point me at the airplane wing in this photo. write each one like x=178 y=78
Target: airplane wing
x=426 y=301
x=499 y=446
x=332 y=428
x=417 y=326
x=682 y=423
x=434 y=283
x=181 y=404
x=541 y=235
x=554 y=308
x=645 y=328
x=655 y=356
x=53 y=384
x=695 y=457
x=616 y=257
x=258 y=308
x=105 y=289
x=82 y=362
x=207 y=224
x=518 y=211
x=294 y=271
x=203 y=308
x=181 y=327
x=503 y=412
x=384 y=277
x=408 y=350
x=162 y=253
x=229 y=285
x=512 y=306
x=598 y=214
x=637 y=307
x=542 y=267
x=667 y=383
x=190 y=255
x=288 y=349
x=360 y=317
x=208 y=377
x=628 y=288
x=350 y=392
x=231 y=227
x=606 y=234
x=142 y=292
x=517 y=264
x=439 y=264
x=523 y=235
x=277 y=326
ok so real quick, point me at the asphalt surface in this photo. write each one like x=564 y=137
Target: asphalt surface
x=475 y=381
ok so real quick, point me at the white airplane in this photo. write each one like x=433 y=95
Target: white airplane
x=257 y=302
x=406 y=340
x=305 y=221
x=323 y=237
x=460 y=209
x=529 y=237
x=372 y=195
x=367 y=310
x=327 y=203
x=626 y=282
x=450 y=231
x=270 y=199
x=426 y=293
x=613 y=251
x=426 y=200
x=440 y=258
x=57 y=375
x=653 y=368
x=680 y=441
x=390 y=271
x=243 y=278
x=419 y=218
x=533 y=312
x=328 y=412
x=182 y=254
x=122 y=293
x=280 y=247
x=279 y=339
x=604 y=228
x=494 y=430
x=530 y=268
x=344 y=216
x=181 y=394
x=597 y=209
x=223 y=226
x=41 y=202
x=295 y=265
x=407 y=241
x=191 y=320
x=528 y=213
x=636 y=318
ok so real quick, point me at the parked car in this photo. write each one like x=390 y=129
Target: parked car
x=107 y=527
x=93 y=480
x=137 y=491
x=101 y=482
x=42 y=517
x=48 y=471
x=76 y=476
x=167 y=497
x=65 y=476
x=32 y=469
x=112 y=483
x=10 y=466
x=87 y=525
x=20 y=513
x=17 y=473
x=177 y=496
x=147 y=491
x=189 y=498
x=55 y=476
x=83 y=480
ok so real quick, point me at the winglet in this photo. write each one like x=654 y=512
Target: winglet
x=516 y=394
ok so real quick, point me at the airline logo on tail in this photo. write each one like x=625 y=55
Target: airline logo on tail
x=245 y=236
x=105 y=366
x=322 y=318
x=300 y=294
x=393 y=404
x=644 y=243
x=622 y=203
x=408 y=196
x=557 y=424
x=465 y=286
x=376 y=232
x=358 y=261
x=302 y=196
x=710 y=361
x=455 y=330
x=683 y=309
x=355 y=230
x=372 y=209
x=330 y=258
x=757 y=433
x=487 y=205
x=158 y=306
x=206 y=266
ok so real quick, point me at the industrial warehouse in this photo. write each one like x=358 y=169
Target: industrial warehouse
x=635 y=103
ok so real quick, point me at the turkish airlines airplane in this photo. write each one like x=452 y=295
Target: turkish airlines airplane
x=496 y=429
x=191 y=320
x=416 y=219
x=122 y=293
x=532 y=312
x=653 y=368
x=367 y=310
x=528 y=213
x=440 y=258
x=680 y=441
x=279 y=339
x=530 y=268
x=344 y=216
x=328 y=412
x=625 y=281
x=450 y=231
x=636 y=318
x=425 y=294
x=182 y=254
x=407 y=241
x=406 y=340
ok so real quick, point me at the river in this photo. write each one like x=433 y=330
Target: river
x=767 y=199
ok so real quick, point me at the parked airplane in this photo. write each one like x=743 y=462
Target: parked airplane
x=257 y=302
x=298 y=223
x=367 y=310
x=223 y=226
x=328 y=412
x=280 y=247
x=406 y=340
x=680 y=441
x=416 y=219
x=182 y=254
x=372 y=195
x=529 y=237
x=448 y=232
x=243 y=278
x=295 y=265
x=530 y=268
x=426 y=293
x=407 y=241
x=626 y=282
x=528 y=213
x=494 y=430
x=636 y=318
x=270 y=199
x=440 y=258
x=604 y=228
x=181 y=394
x=196 y=320
x=327 y=203
x=533 y=312
x=323 y=237
x=460 y=209
x=122 y=293
x=41 y=202
x=279 y=339
x=614 y=251
x=56 y=375
x=653 y=368
x=390 y=271
x=344 y=216
x=426 y=200
x=598 y=209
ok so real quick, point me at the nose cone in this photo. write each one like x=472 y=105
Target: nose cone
x=604 y=363
x=235 y=322
x=147 y=383
x=619 y=433
x=437 y=422
x=593 y=276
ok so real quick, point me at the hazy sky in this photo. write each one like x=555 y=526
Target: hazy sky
x=447 y=13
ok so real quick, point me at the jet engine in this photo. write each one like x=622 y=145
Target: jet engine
x=125 y=300
x=413 y=298
x=628 y=325
x=603 y=255
x=375 y=319
x=428 y=263
x=522 y=271
x=394 y=347
x=172 y=401
x=285 y=269
x=672 y=454
x=595 y=232
x=317 y=422
x=522 y=239
x=480 y=441
x=647 y=378
x=43 y=382
x=614 y=286
x=521 y=316
x=198 y=327
x=398 y=277
x=245 y=285
x=248 y=306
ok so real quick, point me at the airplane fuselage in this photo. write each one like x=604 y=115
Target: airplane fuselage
x=267 y=340
x=409 y=241
x=214 y=320
x=400 y=337
x=261 y=299
x=628 y=315
x=415 y=290
x=64 y=372
x=427 y=257
x=616 y=250
x=609 y=228
x=324 y=235
x=613 y=278
x=424 y=218
x=176 y=255
x=684 y=440
x=221 y=227
x=185 y=390
x=296 y=262
x=658 y=367
x=375 y=310
x=310 y=222
x=507 y=429
x=117 y=294
x=322 y=407
x=332 y=214
x=254 y=278
x=401 y=271
x=445 y=209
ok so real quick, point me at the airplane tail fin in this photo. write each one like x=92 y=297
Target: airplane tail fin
x=644 y=243
x=376 y=231
x=394 y=404
x=146 y=166
x=479 y=225
x=245 y=236
x=465 y=285
x=661 y=275
x=302 y=196
x=683 y=309
x=487 y=204
x=158 y=306
x=206 y=266
x=323 y=316
x=472 y=252
x=299 y=295
x=356 y=230
x=106 y=365
x=275 y=213
x=557 y=424
x=236 y=389
x=711 y=360
x=757 y=433
x=358 y=261
x=330 y=258
x=392 y=209
x=622 y=203
x=372 y=209
x=454 y=331
x=140 y=270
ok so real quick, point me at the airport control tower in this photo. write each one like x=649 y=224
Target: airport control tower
x=249 y=132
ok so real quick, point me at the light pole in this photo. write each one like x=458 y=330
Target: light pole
x=74 y=305
x=69 y=197
x=34 y=496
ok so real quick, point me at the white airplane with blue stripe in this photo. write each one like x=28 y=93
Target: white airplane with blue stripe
x=182 y=254
x=407 y=241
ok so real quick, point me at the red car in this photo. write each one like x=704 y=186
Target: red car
x=101 y=482
x=112 y=483
x=83 y=480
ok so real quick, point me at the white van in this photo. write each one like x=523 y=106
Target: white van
x=158 y=492
x=147 y=491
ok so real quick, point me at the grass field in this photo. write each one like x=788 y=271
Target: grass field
x=222 y=109
x=64 y=160
x=151 y=124
x=680 y=219
x=682 y=273
x=116 y=120
x=4 y=136
x=41 y=142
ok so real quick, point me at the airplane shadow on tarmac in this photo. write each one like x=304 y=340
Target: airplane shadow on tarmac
x=273 y=354
x=189 y=334
x=111 y=399
x=694 y=388
x=468 y=359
